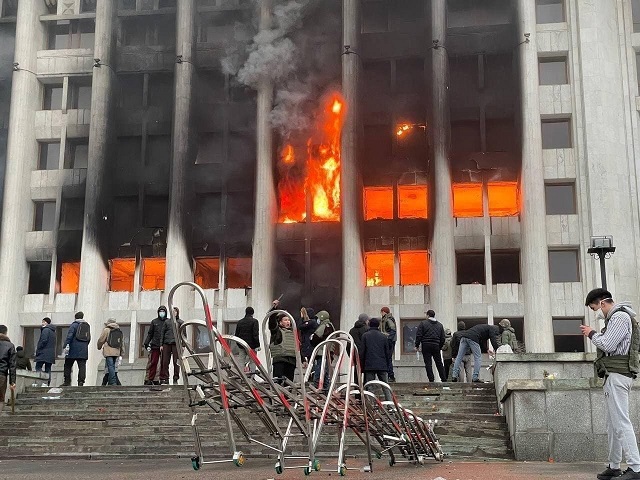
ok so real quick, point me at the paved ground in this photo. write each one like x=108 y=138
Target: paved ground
x=262 y=470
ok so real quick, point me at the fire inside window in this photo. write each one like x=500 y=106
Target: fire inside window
x=412 y=201
x=121 y=274
x=379 y=268
x=70 y=277
x=207 y=272
x=153 y=273
x=467 y=200
x=378 y=203
x=238 y=272
x=414 y=267
x=503 y=199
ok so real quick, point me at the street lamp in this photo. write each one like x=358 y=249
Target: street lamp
x=602 y=248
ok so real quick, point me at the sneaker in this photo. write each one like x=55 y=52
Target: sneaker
x=148 y=382
x=628 y=475
x=609 y=473
x=392 y=379
x=65 y=385
x=476 y=380
x=454 y=379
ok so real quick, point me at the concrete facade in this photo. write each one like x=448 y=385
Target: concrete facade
x=180 y=163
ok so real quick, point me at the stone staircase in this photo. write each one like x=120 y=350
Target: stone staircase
x=136 y=422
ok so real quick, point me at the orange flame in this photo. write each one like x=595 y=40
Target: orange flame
x=318 y=175
x=374 y=280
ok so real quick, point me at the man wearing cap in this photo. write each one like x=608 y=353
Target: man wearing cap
x=321 y=333
x=389 y=328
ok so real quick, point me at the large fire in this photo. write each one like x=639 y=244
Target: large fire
x=313 y=170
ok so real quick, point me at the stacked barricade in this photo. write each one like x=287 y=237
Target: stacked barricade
x=215 y=380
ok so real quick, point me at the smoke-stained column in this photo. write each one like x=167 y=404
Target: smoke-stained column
x=538 y=327
x=262 y=265
x=94 y=271
x=22 y=153
x=183 y=154
x=353 y=279
x=443 y=255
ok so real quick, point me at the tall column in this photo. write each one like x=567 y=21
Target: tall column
x=94 y=269
x=443 y=254
x=534 y=257
x=22 y=154
x=262 y=265
x=353 y=279
x=183 y=154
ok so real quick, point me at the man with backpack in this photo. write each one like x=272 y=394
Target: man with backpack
x=153 y=343
x=388 y=327
x=320 y=334
x=7 y=364
x=77 y=349
x=112 y=345
x=430 y=336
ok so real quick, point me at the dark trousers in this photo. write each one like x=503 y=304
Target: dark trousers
x=383 y=377
x=283 y=369
x=82 y=370
x=152 y=364
x=429 y=352
x=447 y=366
x=392 y=347
x=169 y=351
x=46 y=368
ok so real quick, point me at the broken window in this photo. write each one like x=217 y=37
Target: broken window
x=52 y=97
x=560 y=198
x=155 y=211
x=500 y=135
x=378 y=203
x=49 y=156
x=550 y=11
x=78 y=154
x=207 y=272
x=505 y=266
x=556 y=133
x=563 y=266
x=153 y=273
x=412 y=201
x=80 y=94
x=553 y=71
x=503 y=199
x=470 y=268
x=409 y=330
x=238 y=272
x=465 y=136
x=121 y=274
x=414 y=267
x=39 y=277
x=375 y=17
x=72 y=214
x=379 y=268
x=70 y=277
x=467 y=200
x=567 y=336
x=45 y=216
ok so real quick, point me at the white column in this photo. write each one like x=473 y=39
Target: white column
x=184 y=151
x=534 y=257
x=22 y=156
x=94 y=268
x=443 y=255
x=353 y=278
x=262 y=265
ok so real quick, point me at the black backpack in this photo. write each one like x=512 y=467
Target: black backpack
x=114 y=340
x=83 y=332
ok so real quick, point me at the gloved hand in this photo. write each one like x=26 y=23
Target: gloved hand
x=147 y=348
x=118 y=362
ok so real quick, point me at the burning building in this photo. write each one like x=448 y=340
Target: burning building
x=455 y=155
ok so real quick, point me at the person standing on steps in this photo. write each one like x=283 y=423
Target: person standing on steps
x=306 y=326
x=388 y=327
x=467 y=359
x=112 y=345
x=319 y=335
x=22 y=361
x=7 y=365
x=376 y=355
x=473 y=338
x=618 y=363
x=169 y=349
x=430 y=336
x=76 y=349
x=283 y=347
x=447 y=354
x=248 y=329
x=152 y=344
x=46 y=349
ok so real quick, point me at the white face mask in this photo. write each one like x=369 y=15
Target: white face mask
x=600 y=315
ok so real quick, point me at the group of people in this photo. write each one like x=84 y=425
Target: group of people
x=160 y=344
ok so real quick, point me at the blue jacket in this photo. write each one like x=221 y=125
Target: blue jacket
x=77 y=349
x=46 y=349
x=376 y=351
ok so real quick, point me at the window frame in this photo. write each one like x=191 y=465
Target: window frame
x=574 y=250
x=576 y=335
x=548 y=185
x=550 y=2
x=546 y=145
x=555 y=59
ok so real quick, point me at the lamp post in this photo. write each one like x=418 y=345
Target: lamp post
x=602 y=248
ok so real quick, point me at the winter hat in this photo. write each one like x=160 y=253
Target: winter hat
x=79 y=315
x=47 y=320
x=462 y=326
x=374 y=322
x=504 y=323
x=447 y=331
x=323 y=315
x=110 y=320
x=162 y=308
x=363 y=317
x=385 y=310
x=311 y=313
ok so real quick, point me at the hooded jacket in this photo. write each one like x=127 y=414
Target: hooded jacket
x=77 y=349
x=108 y=351
x=168 y=337
x=322 y=331
x=46 y=349
x=306 y=327
x=388 y=327
x=7 y=359
x=358 y=330
x=154 y=335
x=508 y=337
x=22 y=361
x=430 y=332
x=447 y=353
x=248 y=330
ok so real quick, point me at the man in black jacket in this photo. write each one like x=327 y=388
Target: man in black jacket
x=376 y=355
x=359 y=329
x=247 y=329
x=7 y=364
x=430 y=336
x=152 y=344
x=306 y=326
x=169 y=349
x=473 y=338
x=467 y=359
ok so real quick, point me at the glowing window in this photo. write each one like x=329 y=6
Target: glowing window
x=379 y=268
x=207 y=272
x=503 y=199
x=467 y=200
x=414 y=267
x=70 y=277
x=412 y=201
x=121 y=272
x=378 y=203
x=238 y=272
x=153 y=273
